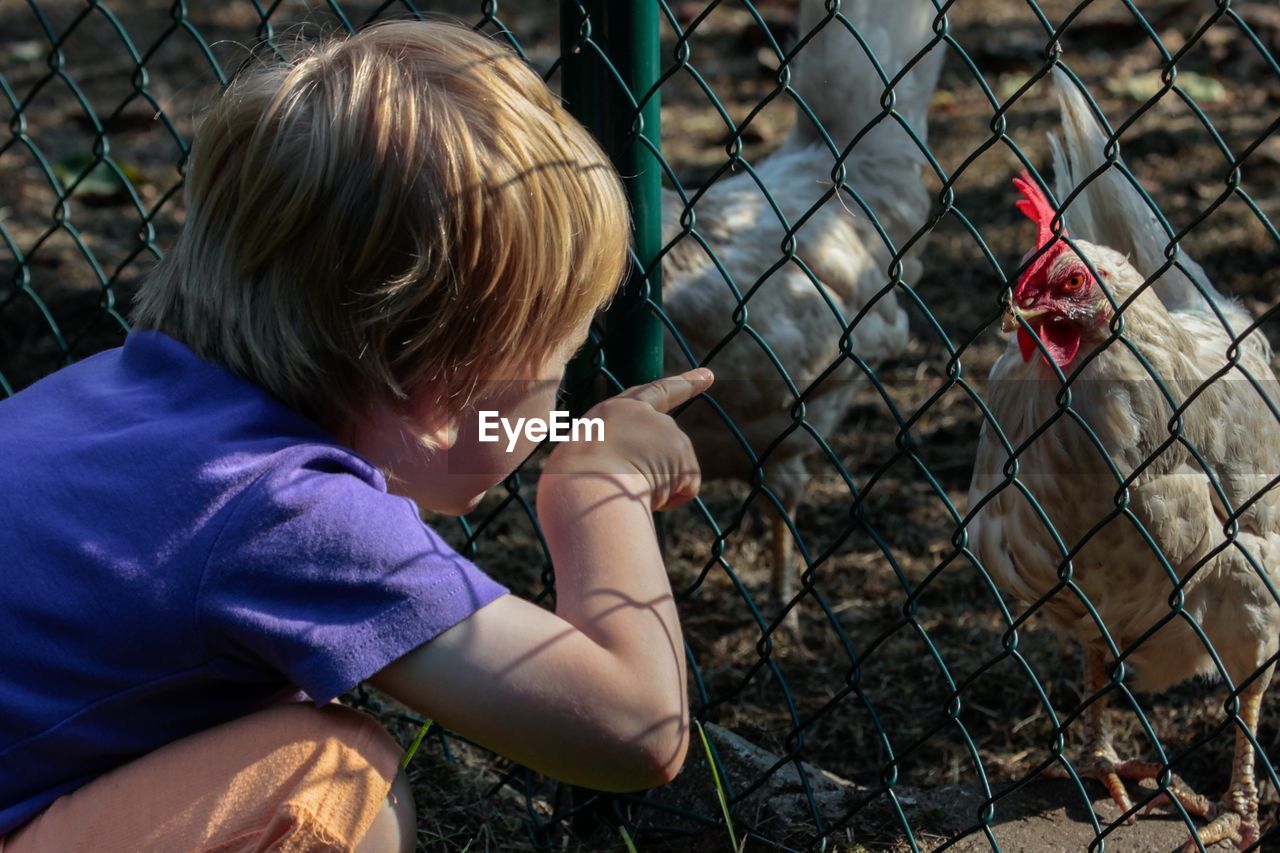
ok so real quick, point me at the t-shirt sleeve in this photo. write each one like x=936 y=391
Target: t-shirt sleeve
x=322 y=576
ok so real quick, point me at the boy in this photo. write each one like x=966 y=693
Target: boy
x=383 y=237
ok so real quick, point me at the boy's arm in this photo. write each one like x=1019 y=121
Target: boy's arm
x=593 y=694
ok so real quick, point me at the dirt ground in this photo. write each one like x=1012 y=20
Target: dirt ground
x=876 y=670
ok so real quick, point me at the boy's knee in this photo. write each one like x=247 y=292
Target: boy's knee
x=353 y=758
x=395 y=828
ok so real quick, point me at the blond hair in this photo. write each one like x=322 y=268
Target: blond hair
x=406 y=206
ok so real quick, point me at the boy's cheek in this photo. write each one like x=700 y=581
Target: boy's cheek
x=484 y=450
x=496 y=439
x=469 y=470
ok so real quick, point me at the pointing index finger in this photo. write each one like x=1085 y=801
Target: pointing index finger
x=670 y=391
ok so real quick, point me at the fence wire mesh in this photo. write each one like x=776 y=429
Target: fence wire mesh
x=873 y=663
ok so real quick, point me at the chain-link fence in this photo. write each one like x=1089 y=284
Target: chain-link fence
x=877 y=652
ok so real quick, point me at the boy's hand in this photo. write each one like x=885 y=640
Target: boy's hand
x=640 y=438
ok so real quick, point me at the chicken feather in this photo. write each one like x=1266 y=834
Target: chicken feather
x=1158 y=480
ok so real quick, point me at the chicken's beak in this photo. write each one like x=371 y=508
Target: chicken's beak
x=1030 y=315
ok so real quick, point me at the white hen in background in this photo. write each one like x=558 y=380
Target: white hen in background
x=791 y=316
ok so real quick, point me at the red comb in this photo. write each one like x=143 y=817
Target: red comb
x=1036 y=207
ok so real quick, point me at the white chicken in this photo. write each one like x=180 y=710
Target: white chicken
x=1158 y=500
x=767 y=321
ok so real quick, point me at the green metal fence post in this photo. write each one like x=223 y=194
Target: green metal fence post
x=608 y=44
x=610 y=63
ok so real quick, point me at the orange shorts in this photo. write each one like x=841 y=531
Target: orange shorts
x=289 y=778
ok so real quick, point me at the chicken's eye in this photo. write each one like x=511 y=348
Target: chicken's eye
x=1074 y=282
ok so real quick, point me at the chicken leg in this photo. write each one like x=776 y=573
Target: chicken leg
x=781 y=572
x=1100 y=760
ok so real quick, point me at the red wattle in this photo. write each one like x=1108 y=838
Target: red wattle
x=1026 y=343
x=1061 y=341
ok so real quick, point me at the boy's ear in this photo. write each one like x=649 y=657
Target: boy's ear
x=428 y=410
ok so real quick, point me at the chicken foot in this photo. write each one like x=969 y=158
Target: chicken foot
x=1236 y=818
x=1100 y=760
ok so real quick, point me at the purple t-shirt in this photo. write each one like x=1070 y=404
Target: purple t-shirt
x=178 y=549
